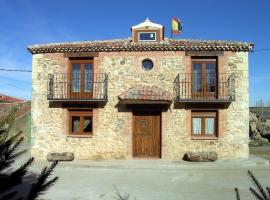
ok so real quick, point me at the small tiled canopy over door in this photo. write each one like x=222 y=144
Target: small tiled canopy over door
x=146 y=134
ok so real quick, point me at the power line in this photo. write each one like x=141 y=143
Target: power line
x=15 y=70
x=266 y=49
x=24 y=82
x=11 y=85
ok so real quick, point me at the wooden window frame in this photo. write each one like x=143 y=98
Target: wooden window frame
x=203 y=115
x=81 y=114
x=82 y=93
x=204 y=62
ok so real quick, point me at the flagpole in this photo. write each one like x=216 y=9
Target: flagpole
x=171 y=28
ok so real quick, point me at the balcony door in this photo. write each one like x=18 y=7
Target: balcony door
x=81 y=79
x=204 y=79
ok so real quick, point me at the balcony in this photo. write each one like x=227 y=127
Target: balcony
x=89 y=87
x=205 y=88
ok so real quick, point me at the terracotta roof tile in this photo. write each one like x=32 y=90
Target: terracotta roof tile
x=10 y=99
x=146 y=93
x=128 y=45
x=22 y=108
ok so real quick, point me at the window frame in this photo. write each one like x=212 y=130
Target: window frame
x=144 y=60
x=204 y=93
x=203 y=115
x=81 y=114
x=82 y=93
x=140 y=32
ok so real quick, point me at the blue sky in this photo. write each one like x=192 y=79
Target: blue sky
x=26 y=22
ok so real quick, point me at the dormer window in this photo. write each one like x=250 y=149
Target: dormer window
x=147 y=31
x=147 y=36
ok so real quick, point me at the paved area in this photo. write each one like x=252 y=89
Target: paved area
x=155 y=179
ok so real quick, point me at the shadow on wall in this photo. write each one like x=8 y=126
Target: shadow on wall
x=122 y=107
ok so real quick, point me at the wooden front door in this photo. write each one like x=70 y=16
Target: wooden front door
x=146 y=134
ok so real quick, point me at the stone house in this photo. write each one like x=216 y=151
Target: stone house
x=146 y=96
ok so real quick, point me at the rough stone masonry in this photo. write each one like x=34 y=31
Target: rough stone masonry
x=112 y=129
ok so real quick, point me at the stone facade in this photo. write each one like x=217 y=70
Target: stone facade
x=112 y=125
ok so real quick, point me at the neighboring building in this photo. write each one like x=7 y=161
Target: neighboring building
x=22 y=120
x=145 y=96
x=9 y=99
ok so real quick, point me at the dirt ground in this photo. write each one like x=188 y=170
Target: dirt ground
x=261 y=151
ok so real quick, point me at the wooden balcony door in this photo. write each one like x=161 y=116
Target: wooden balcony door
x=204 y=79
x=81 y=79
x=146 y=134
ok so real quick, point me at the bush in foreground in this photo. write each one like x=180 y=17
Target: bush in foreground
x=259 y=192
x=11 y=180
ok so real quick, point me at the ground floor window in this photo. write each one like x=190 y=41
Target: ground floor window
x=80 y=122
x=204 y=123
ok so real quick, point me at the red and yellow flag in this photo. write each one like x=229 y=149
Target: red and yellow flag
x=176 y=26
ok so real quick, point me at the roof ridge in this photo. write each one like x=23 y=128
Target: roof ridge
x=18 y=100
x=206 y=40
x=81 y=42
x=115 y=45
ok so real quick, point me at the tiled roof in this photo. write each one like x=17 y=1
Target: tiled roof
x=128 y=45
x=9 y=99
x=22 y=108
x=146 y=93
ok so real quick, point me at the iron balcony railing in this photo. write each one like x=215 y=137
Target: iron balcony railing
x=78 y=86
x=208 y=87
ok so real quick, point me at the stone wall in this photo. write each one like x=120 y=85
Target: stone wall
x=112 y=133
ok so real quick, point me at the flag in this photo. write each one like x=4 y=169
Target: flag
x=176 y=26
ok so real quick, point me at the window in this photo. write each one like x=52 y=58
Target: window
x=81 y=75
x=204 y=123
x=146 y=36
x=80 y=122
x=204 y=77
x=147 y=64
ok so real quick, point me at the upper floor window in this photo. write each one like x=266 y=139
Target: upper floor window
x=81 y=78
x=147 y=64
x=147 y=36
x=204 y=77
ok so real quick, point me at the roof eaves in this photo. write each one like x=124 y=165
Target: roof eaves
x=128 y=45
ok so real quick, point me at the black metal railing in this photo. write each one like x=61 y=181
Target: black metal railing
x=88 y=86
x=198 y=87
